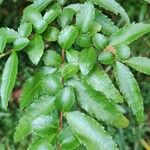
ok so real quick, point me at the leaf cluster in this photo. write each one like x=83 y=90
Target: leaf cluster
x=68 y=104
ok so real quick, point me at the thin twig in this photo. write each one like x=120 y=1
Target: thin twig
x=61 y=113
x=5 y=54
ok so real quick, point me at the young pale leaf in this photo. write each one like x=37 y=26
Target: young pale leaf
x=101 y=82
x=89 y=132
x=114 y=7
x=68 y=140
x=42 y=106
x=8 y=79
x=65 y=99
x=67 y=36
x=33 y=15
x=66 y=17
x=87 y=12
x=52 y=58
x=108 y=26
x=87 y=59
x=129 y=33
x=52 y=13
x=130 y=89
x=31 y=89
x=25 y=29
x=41 y=4
x=141 y=64
x=51 y=34
x=20 y=43
x=2 y=43
x=41 y=144
x=35 y=49
x=9 y=34
x=51 y=84
x=97 y=104
x=45 y=126
x=72 y=56
x=69 y=70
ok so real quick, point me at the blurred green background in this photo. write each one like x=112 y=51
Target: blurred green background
x=134 y=137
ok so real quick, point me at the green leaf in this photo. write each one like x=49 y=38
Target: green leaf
x=62 y=2
x=84 y=40
x=8 y=79
x=87 y=59
x=51 y=34
x=52 y=13
x=99 y=41
x=129 y=33
x=48 y=70
x=35 y=49
x=41 y=4
x=89 y=132
x=147 y=1
x=9 y=34
x=95 y=27
x=106 y=57
x=130 y=89
x=122 y=52
x=97 y=105
x=108 y=26
x=42 y=106
x=87 y=12
x=67 y=36
x=25 y=29
x=69 y=70
x=141 y=64
x=51 y=84
x=2 y=43
x=31 y=89
x=114 y=7
x=74 y=7
x=52 y=58
x=68 y=140
x=65 y=17
x=101 y=82
x=72 y=56
x=45 y=126
x=33 y=15
x=41 y=144
x=1 y=1
x=20 y=43
x=65 y=99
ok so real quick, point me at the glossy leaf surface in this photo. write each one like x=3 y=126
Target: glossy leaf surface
x=141 y=64
x=101 y=82
x=97 y=105
x=8 y=79
x=89 y=132
x=130 y=89
x=35 y=49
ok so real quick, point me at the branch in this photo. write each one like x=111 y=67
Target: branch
x=5 y=54
x=61 y=113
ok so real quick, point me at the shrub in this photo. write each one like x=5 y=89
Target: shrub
x=69 y=100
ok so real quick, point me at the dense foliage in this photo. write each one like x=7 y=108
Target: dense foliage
x=70 y=99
